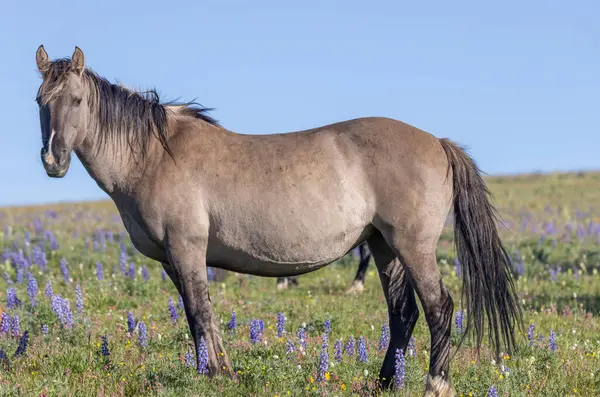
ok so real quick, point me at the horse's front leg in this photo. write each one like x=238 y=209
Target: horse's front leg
x=187 y=262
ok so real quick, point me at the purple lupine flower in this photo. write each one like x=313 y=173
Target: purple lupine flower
x=290 y=347
x=104 y=348
x=233 y=321
x=492 y=392
x=130 y=322
x=64 y=270
x=327 y=326
x=163 y=275
x=181 y=306
x=323 y=359
x=280 y=324
x=67 y=313
x=39 y=257
x=48 y=290
x=362 y=349
x=123 y=261
x=142 y=337
x=145 y=275
x=459 y=321
x=11 y=298
x=261 y=326
x=132 y=271
x=16 y=325
x=32 y=288
x=254 y=331
x=552 y=341
x=202 y=357
x=19 y=276
x=22 y=348
x=5 y=323
x=385 y=337
x=57 y=307
x=530 y=333
x=79 y=299
x=99 y=271
x=337 y=350
x=45 y=329
x=189 y=358
x=302 y=338
x=350 y=347
x=520 y=267
x=412 y=347
x=400 y=370
x=173 y=310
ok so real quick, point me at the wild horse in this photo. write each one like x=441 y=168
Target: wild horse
x=192 y=193
x=358 y=285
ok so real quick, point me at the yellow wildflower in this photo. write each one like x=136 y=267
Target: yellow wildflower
x=311 y=379
x=327 y=375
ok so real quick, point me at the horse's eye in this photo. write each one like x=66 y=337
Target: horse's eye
x=76 y=102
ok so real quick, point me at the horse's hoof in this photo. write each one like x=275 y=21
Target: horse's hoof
x=438 y=387
x=283 y=285
x=356 y=288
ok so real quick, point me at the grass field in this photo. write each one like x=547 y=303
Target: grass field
x=551 y=227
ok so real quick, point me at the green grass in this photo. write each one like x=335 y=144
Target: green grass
x=67 y=362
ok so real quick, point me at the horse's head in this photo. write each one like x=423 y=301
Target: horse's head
x=63 y=100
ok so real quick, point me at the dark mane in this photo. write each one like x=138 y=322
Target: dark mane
x=121 y=112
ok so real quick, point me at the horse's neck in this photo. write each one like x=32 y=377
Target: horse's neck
x=115 y=172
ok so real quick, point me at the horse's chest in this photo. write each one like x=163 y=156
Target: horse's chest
x=142 y=238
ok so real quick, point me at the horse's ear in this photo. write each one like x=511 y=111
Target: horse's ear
x=77 y=61
x=42 y=60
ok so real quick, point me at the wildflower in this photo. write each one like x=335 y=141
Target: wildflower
x=145 y=275
x=302 y=337
x=400 y=371
x=132 y=271
x=68 y=315
x=11 y=298
x=64 y=270
x=78 y=299
x=130 y=322
x=290 y=347
x=350 y=347
x=163 y=275
x=45 y=329
x=327 y=326
x=457 y=267
x=233 y=321
x=180 y=303
x=412 y=347
x=99 y=271
x=189 y=358
x=337 y=350
x=530 y=333
x=552 y=341
x=459 y=322
x=123 y=260
x=385 y=337
x=492 y=392
x=104 y=349
x=22 y=348
x=48 y=289
x=362 y=349
x=173 y=310
x=142 y=338
x=16 y=325
x=5 y=323
x=202 y=357
x=280 y=324
x=255 y=331
x=323 y=358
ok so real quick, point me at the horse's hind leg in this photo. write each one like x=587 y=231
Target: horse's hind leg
x=416 y=250
x=358 y=285
x=402 y=306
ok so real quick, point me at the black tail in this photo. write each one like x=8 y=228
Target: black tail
x=488 y=288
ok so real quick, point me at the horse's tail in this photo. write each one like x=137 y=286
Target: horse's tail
x=488 y=287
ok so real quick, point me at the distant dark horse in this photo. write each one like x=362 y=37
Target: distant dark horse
x=192 y=193
x=358 y=285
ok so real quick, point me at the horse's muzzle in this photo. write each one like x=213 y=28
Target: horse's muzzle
x=56 y=167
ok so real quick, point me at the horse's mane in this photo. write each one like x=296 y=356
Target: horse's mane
x=122 y=112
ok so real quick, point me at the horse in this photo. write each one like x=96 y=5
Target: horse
x=192 y=193
x=358 y=284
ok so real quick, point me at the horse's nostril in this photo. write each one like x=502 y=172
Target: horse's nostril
x=64 y=151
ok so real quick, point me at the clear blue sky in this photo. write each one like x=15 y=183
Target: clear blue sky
x=518 y=82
